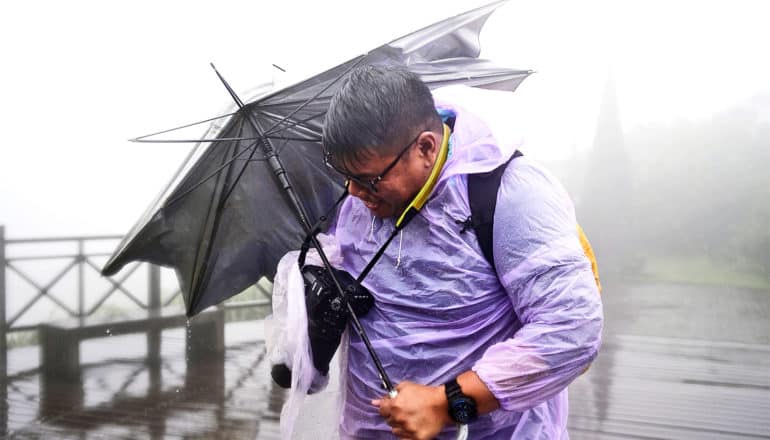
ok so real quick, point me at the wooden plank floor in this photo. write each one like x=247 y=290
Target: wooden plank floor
x=120 y=396
x=665 y=388
x=649 y=382
x=678 y=362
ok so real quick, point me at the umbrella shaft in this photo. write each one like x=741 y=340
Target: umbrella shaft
x=353 y=317
x=280 y=173
x=283 y=180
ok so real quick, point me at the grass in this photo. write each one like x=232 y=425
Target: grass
x=704 y=270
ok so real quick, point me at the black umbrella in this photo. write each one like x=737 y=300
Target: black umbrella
x=228 y=215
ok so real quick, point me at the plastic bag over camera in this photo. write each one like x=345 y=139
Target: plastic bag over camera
x=288 y=344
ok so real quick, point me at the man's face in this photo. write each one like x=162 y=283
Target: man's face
x=411 y=166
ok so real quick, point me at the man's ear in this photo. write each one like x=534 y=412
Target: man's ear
x=428 y=144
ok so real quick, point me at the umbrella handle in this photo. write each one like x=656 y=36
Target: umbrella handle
x=462 y=430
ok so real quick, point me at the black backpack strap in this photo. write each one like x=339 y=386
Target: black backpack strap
x=482 y=197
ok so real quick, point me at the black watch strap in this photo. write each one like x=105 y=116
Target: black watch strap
x=462 y=408
x=453 y=390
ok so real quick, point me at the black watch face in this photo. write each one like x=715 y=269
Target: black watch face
x=463 y=410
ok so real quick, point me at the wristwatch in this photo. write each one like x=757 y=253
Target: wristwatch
x=462 y=408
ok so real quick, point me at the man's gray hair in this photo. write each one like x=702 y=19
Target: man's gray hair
x=377 y=106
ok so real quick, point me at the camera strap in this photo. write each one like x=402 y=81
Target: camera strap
x=406 y=216
x=317 y=227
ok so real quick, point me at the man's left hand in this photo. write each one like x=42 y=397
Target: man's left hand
x=417 y=412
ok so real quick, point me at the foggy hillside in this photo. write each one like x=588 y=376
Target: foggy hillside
x=686 y=200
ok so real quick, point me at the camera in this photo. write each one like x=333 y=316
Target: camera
x=327 y=314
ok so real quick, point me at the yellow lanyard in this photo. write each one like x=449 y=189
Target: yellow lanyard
x=422 y=196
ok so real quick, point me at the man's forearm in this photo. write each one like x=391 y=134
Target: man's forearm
x=473 y=387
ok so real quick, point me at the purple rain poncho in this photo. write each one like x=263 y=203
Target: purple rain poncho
x=440 y=309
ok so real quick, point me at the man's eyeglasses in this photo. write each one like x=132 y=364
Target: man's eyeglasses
x=369 y=184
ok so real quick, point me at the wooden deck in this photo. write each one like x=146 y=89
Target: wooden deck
x=655 y=379
x=678 y=362
x=121 y=395
x=663 y=388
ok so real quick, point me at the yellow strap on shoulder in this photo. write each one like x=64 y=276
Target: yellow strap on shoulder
x=590 y=254
x=422 y=196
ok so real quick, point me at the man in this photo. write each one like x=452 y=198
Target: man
x=447 y=325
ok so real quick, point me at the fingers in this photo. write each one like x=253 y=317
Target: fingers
x=400 y=419
x=384 y=406
x=400 y=433
x=404 y=433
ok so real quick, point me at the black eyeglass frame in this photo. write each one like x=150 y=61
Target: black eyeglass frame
x=369 y=184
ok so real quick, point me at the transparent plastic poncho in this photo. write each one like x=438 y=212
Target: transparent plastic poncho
x=440 y=309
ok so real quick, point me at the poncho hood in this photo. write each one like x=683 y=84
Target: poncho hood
x=475 y=146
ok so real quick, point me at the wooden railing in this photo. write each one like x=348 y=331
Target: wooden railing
x=78 y=260
x=81 y=259
x=60 y=367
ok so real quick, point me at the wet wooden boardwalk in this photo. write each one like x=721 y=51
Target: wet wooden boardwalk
x=120 y=396
x=678 y=362
x=663 y=388
x=649 y=382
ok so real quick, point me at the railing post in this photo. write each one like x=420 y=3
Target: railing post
x=81 y=280
x=153 y=312
x=153 y=288
x=3 y=340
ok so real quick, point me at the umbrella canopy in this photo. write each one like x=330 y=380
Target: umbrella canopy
x=224 y=221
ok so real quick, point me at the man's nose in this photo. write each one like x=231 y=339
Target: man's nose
x=357 y=190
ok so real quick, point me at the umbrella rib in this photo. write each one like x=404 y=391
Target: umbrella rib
x=196 y=280
x=293 y=124
x=230 y=90
x=298 y=206
x=233 y=159
x=251 y=146
x=238 y=178
x=279 y=149
x=268 y=133
x=313 y=98
x=188 y=141
x=512 y=75
x=142 y=138
x=284 y=138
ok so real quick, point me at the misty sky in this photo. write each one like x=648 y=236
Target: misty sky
x=80 y=78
